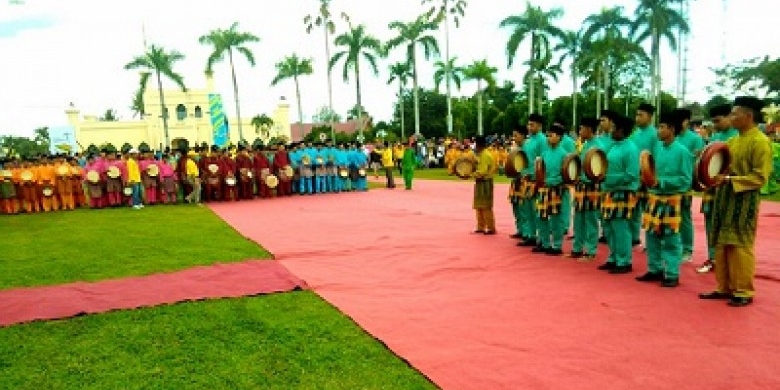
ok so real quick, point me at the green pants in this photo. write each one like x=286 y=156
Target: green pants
x=530 y=219
x=708 y=232
x=565 y=210
x=664 y=253
x=517 y=212
x=586 y=232
x=686 y=228
x=550 y=232
x=636 y=220
x=408 y=176
x=619 y=241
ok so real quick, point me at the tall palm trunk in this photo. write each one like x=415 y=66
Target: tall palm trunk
x=598 y=92
x=300 y=106
x=359 y=103
x=655 y=70
x=448 y=70
x=532 y=76
x=162 y=109
x=235 y=94
x=401 y=103
x=416 y=94
x=479 y=107
x=330 y=83
x=607 y=85
x=574 y=95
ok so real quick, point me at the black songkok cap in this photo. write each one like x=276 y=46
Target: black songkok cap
x=683 y=113
x=624 y=123
x=751 y=102
x=214 y=148
x=536 y=118
x=589 y=122
x=720 y=110
x=674 y=119
x=480 y=141
x=557 y=129
x=647 y=107
x=611 y=115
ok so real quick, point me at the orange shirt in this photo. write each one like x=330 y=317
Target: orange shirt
x=46 y=173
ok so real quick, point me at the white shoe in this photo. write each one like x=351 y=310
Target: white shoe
x=141 y=205
x=137 y=207
x=706 y=267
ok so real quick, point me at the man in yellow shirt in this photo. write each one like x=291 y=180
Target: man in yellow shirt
x=388 y=163
x=193 y=178
x=134 y=179
x=398 y=154
x=483 y=188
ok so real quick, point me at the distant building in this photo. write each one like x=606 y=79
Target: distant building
x=189 y=118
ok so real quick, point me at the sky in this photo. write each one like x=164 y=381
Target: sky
x=56 y=52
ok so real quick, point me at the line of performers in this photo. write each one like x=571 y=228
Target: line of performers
x=630 y=177
x=111 y=179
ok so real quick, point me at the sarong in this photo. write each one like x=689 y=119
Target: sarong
x=663 y=213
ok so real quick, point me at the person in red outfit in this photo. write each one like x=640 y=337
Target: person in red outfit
x=213 y=175
x=230 y=179
x=246 y=173
x=281 y=161
x=262 y=169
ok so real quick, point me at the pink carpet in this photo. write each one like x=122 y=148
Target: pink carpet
x=477 y=312
x=216 y=281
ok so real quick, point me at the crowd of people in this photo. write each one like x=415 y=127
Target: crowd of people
x=137 y=178
x=619 y=206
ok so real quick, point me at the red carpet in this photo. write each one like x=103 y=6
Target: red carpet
x=216 y=281
x=477 y=312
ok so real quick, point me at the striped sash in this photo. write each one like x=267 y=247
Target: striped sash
x=548 y=201
x=618 y=204
x=662 y=214
x=587 y=196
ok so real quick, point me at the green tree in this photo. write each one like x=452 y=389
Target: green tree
x=225 y=42
x=607 y=27
x=413 y=34
x=716 y=100
x=326 y=115
x=293 y=67
x=160 y=62
x=570 y=48
x=538 y=25
x=400 y=72
x=653 y=20
x=447 y=70
x=138 y=105
x=262 y=124
x=109 y=116
x=323 y=18
x=758 y=76
x=357 y=44
x=444 y=9
x=481 y=72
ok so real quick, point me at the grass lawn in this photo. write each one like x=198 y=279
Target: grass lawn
x=90 y=245
x=282 y=341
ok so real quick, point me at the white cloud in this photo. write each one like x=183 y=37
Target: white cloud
x=80 y=58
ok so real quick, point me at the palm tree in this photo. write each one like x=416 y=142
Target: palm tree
x=608 y=25
x=443 y=9
x=323 y=19
x=262 y=123
x=480 y=71
x=570 y=48
x=293 y=67
x=138 y=106
x=447 y=70
x=539 y=70
x=160 y=62
x=401 y=71
x=225 y=41
x=539 y=25
x=413 y=34
x=655 y=19
x=357 y=44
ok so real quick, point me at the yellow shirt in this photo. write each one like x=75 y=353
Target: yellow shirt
x=192 y=168
x=133 y=173
x=486 y=165
x=387 y=158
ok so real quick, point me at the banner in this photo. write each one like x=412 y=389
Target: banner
x=219 y=125
x=62 y=140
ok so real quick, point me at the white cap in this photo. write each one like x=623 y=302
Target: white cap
x=133 y=151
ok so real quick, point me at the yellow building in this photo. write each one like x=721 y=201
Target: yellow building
x=190 y=120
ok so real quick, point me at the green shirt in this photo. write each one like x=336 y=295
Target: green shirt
x=645 y=138
x=622 y=167
x=673 y=168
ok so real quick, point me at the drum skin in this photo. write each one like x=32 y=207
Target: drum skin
x=707 y=169
x=647 y=172
x=571 y=163
x=465 y=167
x=515 y=164
x=595 y=165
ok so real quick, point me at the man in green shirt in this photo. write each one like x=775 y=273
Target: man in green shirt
x=645 y=136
